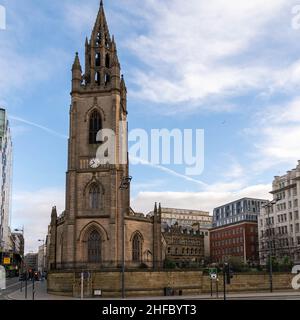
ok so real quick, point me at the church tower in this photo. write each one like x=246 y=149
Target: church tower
x=94 y=202
x=98 y=221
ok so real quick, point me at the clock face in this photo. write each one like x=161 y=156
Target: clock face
x=95 y=163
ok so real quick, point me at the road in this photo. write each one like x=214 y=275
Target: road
x=12 y=284
x=13 y=290
x=255 y=296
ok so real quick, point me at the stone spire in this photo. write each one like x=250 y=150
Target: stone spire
x=76 y=64
x=155 y=208
x=159 y=212
x=76 y=74
x=102 y=67
x=53 y=215
x=101 y=27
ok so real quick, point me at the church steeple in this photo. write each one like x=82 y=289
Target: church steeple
x=102 y=68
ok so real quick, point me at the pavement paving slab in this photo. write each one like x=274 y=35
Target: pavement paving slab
x=41 y=294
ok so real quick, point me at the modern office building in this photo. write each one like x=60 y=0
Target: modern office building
x=42 y=258
x=17 y=243
x=235 y=231
x=5 y=181
x=279 y=223
x=31 y=261
x=246 y=209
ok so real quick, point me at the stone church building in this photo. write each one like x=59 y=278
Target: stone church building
x=89 y=234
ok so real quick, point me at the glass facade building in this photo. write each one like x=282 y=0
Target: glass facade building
x=246 y=209
x=5 y=181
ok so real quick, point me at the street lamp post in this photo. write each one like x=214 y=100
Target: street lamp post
x=43 y=267
x=125 y=184
x=268 y=206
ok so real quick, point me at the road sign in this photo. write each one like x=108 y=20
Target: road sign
x=213 y=276
x=6 y=261
x=212 y=271
x=98 y=293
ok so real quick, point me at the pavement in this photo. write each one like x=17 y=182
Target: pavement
x=12 y=284
x=41 y=294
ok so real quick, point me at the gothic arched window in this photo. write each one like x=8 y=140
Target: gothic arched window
x=98 y=60
x=137 y=248
x=98 y=78
x=94 y=247
x=107 y=79
x=95 y=126
x=107 y=62
x=94 y=195
x=106 y=41
x=98 y=39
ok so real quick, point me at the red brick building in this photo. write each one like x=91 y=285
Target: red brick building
x=235 y=240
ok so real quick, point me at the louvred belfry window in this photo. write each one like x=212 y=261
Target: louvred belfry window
x=95 y=127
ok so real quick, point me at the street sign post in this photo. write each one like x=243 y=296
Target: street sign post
x=213 y=275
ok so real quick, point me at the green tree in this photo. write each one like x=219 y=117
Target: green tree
x=169 y=264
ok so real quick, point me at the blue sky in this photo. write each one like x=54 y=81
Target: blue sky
x=229 y=67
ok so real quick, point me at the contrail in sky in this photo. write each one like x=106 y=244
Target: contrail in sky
x=141 y=161
x=39 y=126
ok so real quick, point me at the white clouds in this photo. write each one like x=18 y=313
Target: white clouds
x=17 y=72
x=197 y=49
x=276 y=131
x=33 y=211
x=200 y=53
x=79 y=16
x=22 y=70
x=206 y=200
